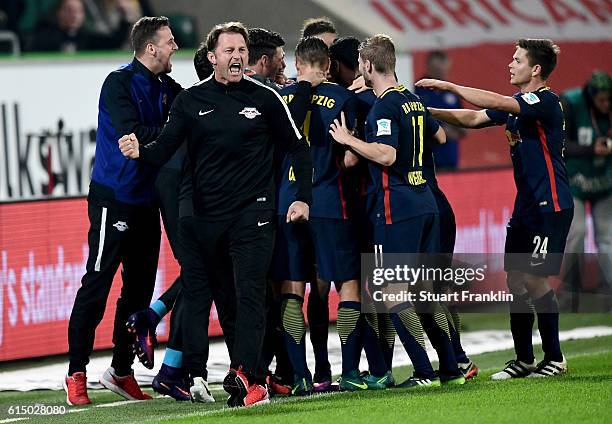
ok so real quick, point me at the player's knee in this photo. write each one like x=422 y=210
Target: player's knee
x=536 y=286
x=349 y=291
x=516 y=282
x=293 y=287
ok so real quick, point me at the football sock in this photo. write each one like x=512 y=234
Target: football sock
x=547 y=309
x=453 y=310
x=436 y=327
x=156 y=312
x=283 y=364
x=294 y=329
x=371 y=344
x=410 y=332
x=454 y=327
x=521 y=326
x=350 y=335
x=387 y=338
x=173 y=358
x=318 y=323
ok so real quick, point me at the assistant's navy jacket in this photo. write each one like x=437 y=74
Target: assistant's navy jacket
x=132 y=100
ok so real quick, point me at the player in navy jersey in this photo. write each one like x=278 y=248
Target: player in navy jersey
x=400 y=203
x=543 y=209
x=328 y=238
x=378 y=334
x=448 y=230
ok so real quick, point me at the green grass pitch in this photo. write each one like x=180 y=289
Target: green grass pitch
x=583 y=395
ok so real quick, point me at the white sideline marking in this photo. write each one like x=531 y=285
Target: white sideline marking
x=49 y=377
x=12 y=420
x=121 y=402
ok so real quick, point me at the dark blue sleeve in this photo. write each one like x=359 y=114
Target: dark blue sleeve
x=456 y=103
x=536 y=104
x=363 y=104
x=386 y=126
x=497 y=116
x=123 y=108
x=422 y=93
x=350 y=112
x=431 y=125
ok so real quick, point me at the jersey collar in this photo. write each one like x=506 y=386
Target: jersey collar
x=399 y=88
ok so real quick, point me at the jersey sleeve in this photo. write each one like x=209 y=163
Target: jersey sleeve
x=455 y=103
x=431 y=125
x=171 y=137
x=535 y=104
x=386 y=127
x=351 y=114
x=497 y=116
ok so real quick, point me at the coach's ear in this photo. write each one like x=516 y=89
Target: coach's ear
x=212 y=58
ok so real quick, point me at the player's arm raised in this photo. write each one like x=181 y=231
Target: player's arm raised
x=376 y=152
x=481 y=98
x=435 y=133
x=465 y=118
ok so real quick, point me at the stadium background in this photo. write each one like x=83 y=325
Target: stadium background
x=49 y=110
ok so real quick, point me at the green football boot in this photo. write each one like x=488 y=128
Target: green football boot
x=302 y=387
x=352 y=382
x=379 y=383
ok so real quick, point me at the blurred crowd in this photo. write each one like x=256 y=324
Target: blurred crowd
x=70 y=25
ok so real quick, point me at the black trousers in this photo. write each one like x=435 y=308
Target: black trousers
x=223 y=294
x=247 y=241
x=118 y=234
x=167 y=187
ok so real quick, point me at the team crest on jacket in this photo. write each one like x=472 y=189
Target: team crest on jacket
x=250 y=112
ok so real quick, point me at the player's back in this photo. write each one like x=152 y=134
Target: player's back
x=329 y=196
x=399 y=119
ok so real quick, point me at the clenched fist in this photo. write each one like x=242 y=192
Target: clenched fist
x=298 y=212
x=128 y=144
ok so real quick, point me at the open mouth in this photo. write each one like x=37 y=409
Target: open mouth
x=235 y=69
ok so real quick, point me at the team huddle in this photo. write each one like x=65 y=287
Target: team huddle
x=267 y=184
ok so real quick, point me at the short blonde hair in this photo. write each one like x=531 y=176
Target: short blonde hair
x=380 y=51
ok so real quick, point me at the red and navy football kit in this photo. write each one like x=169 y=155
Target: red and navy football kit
x=400 y=203
x=328 y=239
x=543 y=209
